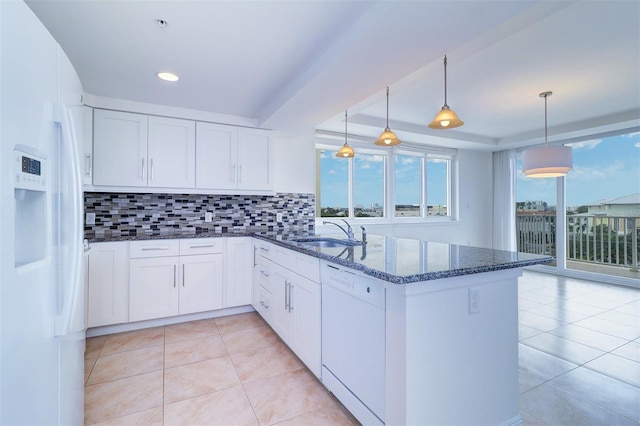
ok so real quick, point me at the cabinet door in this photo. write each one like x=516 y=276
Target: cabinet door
x=201 y=283
x=216 y=166
x=283 y=320
x=239 y=271
x=108 y=281
x=171 y=153
x=119 y=148
x=305 y=306
x=254 y=160
x=153 y=288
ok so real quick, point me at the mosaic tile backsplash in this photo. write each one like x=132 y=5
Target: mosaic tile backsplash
x=129 y=215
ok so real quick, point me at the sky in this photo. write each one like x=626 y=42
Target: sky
x=602 y=169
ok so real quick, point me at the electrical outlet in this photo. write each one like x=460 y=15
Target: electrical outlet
x=279 y=217
x=208 y=217
x=90 y=219
x=474 y=300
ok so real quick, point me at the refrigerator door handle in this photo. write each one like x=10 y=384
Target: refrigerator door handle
x=70 y=294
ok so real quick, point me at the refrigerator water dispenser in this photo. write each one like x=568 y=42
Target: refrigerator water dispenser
x=30 y=190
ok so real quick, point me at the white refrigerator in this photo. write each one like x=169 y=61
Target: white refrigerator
x=42 y=290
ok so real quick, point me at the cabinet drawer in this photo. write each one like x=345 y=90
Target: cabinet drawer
x=307 y=266
x=201 y=246
x=263 y=299
x=264 y=274
x=265 y=249
x=154 y=248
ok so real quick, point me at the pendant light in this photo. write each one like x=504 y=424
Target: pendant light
x=446 y=118
x=547 y=161
x=388 y=138
x=346 y=151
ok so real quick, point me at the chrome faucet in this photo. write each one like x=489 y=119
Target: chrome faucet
x=348 y=231
x=364 y=234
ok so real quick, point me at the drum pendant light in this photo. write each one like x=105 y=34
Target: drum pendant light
x=388 y=138
x=346 y=151
x=446 y=118
x=547 y=161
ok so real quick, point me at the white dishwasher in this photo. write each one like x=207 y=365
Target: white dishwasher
x=353 y=341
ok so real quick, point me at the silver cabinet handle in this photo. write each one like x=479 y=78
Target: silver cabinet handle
x=87 y=165
x=174 y=276
x=143 y=169
x=233 y=174
x=286 y=295
x=201 y=246
x=263 y=272
x=151 y=173
x=264 y=305
x=254 y=256
x=290 y=291
x=183 y=275
x=240 y=177
x=154 y=248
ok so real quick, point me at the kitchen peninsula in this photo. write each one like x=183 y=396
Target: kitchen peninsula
x=450 y=330
x=442 y=336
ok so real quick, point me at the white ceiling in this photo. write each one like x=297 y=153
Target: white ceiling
x=296 y=65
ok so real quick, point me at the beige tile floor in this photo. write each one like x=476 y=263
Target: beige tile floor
x=225 y=371
x=579 y=352
x=579 y=365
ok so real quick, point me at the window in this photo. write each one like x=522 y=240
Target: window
x=384 y=184
x=420 y=181
x=333 y=199
x=368 y=185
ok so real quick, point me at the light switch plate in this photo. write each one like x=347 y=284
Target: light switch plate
x=90 y=219
x=208 y=217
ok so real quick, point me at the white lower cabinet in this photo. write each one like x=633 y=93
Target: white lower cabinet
x=108 y=278
x=290 y=302
x=153 y=288
x=164 y=283
x=239 y=270
x=201 y=283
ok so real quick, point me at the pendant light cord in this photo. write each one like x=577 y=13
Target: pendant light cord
x=545 y=120
x=345 y=126
x=387 y=107
x=445 y=81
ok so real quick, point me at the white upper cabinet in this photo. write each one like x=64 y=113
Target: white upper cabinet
x=119 y=148
x=140 y=151
x=233 y=158
x=171 y=153
x=254 y=159
x=216 y=149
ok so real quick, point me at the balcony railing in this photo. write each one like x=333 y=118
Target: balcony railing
x=606 y=240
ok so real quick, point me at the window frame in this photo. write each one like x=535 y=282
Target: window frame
x=389 y=155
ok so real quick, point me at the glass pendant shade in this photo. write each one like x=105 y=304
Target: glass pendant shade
x=547 y=161
x=446 y=119
x=388 y=138
x=346 y=151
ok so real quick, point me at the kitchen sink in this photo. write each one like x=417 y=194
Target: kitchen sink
x=327 y=242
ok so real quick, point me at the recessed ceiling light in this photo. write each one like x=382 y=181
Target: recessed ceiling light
x=168 y=76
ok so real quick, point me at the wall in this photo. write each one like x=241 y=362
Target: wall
x=126 y=215
x=294 y=163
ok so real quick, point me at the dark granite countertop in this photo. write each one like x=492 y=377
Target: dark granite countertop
x=404 y=260
x=393 y=259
